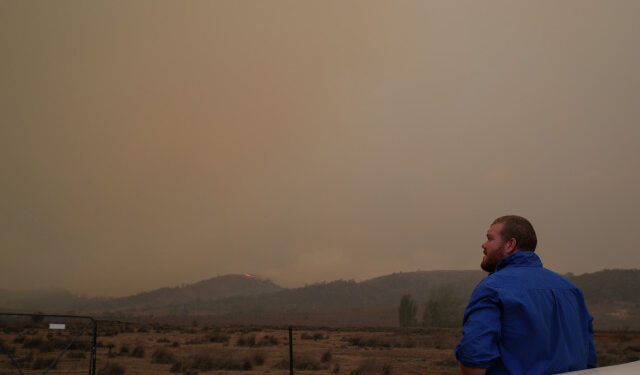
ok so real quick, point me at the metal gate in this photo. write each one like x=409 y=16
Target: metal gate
x=47 y=344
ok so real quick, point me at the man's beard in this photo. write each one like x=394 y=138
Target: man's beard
x=491 y=261
x=489 y=265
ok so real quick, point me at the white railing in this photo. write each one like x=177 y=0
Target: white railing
x=632 y=368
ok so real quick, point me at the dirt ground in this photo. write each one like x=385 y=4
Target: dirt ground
x=131 y=349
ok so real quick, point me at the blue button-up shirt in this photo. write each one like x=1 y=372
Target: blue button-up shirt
x=526 y=320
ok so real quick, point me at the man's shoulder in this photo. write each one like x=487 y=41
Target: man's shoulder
x=489 y=284
x=557 y=279
x=526 y=278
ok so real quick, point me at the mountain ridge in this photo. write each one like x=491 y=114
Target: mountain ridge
x=607 y=292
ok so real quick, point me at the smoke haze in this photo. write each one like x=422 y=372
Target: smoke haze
x=155 y=143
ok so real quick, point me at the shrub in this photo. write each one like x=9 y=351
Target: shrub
x=219 y=361
x=632 y=358
x=77 y=345
x=258 y=358
x=110 y=346
x=631 y=349
x=200 y=362
x=606 y=360
x=447 y=362
x=19 y=339
x=27 y=359
x=326 y=356
x=37 y=317
x=41 y=363
x=246 y=340
x=163 y=356
x=196 y=341
x=377 y=341
x=316 y=336
x=138 y=352
x=48 y=345
x=267 y=340
x=371 y=341
x=124 y=349
x=219 y=337
x=624 y=337
x=303 y=362
x=308 y=363
x=250 y=340
x=108 y=333
x=283 y=364
x=10 y=349
x=371 y=367
x=32 y=342
x=176 y=367
x=164 y=339
x=111 y=368
x=11 y=329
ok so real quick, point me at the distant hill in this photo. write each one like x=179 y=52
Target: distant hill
x=207 y=290
x=58 y=300
x=609 y=285
x=612 y=297
x=61 y=301
x=340 y=294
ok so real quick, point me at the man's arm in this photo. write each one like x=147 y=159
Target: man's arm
x=478 y=348
x=592 y=360
x=464 y=370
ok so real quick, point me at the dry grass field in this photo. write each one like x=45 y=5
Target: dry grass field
x=126 y=348
x=218 y=350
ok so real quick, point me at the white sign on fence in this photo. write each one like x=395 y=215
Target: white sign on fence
x=56 y=326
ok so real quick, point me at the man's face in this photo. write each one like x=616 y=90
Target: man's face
x=495 y=248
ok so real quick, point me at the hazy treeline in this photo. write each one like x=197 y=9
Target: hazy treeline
x=440 y=296
x=443 y=309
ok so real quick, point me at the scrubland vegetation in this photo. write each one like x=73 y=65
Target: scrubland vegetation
x=128 y=349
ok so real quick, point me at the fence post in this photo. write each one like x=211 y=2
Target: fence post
x=92 y=369
x=290 y=350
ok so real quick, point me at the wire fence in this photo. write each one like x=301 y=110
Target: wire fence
x=47 y=344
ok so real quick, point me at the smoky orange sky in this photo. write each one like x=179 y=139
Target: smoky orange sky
x=154 y=143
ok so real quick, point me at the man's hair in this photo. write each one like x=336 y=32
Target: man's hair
x=519 y=228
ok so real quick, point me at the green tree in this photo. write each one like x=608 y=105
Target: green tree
x=407 y=311
x=443 y=309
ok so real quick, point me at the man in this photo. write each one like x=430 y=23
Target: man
x=523 y=319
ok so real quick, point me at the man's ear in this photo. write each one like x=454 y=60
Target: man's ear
x=511 y=246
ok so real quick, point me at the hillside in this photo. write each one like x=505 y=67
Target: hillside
x=61 y=301
x=341 y=294
x=207 y=290
x=611 y=296
x=609 y=285
x=58 y=300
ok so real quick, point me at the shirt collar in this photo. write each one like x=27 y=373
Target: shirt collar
x=520 y=259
